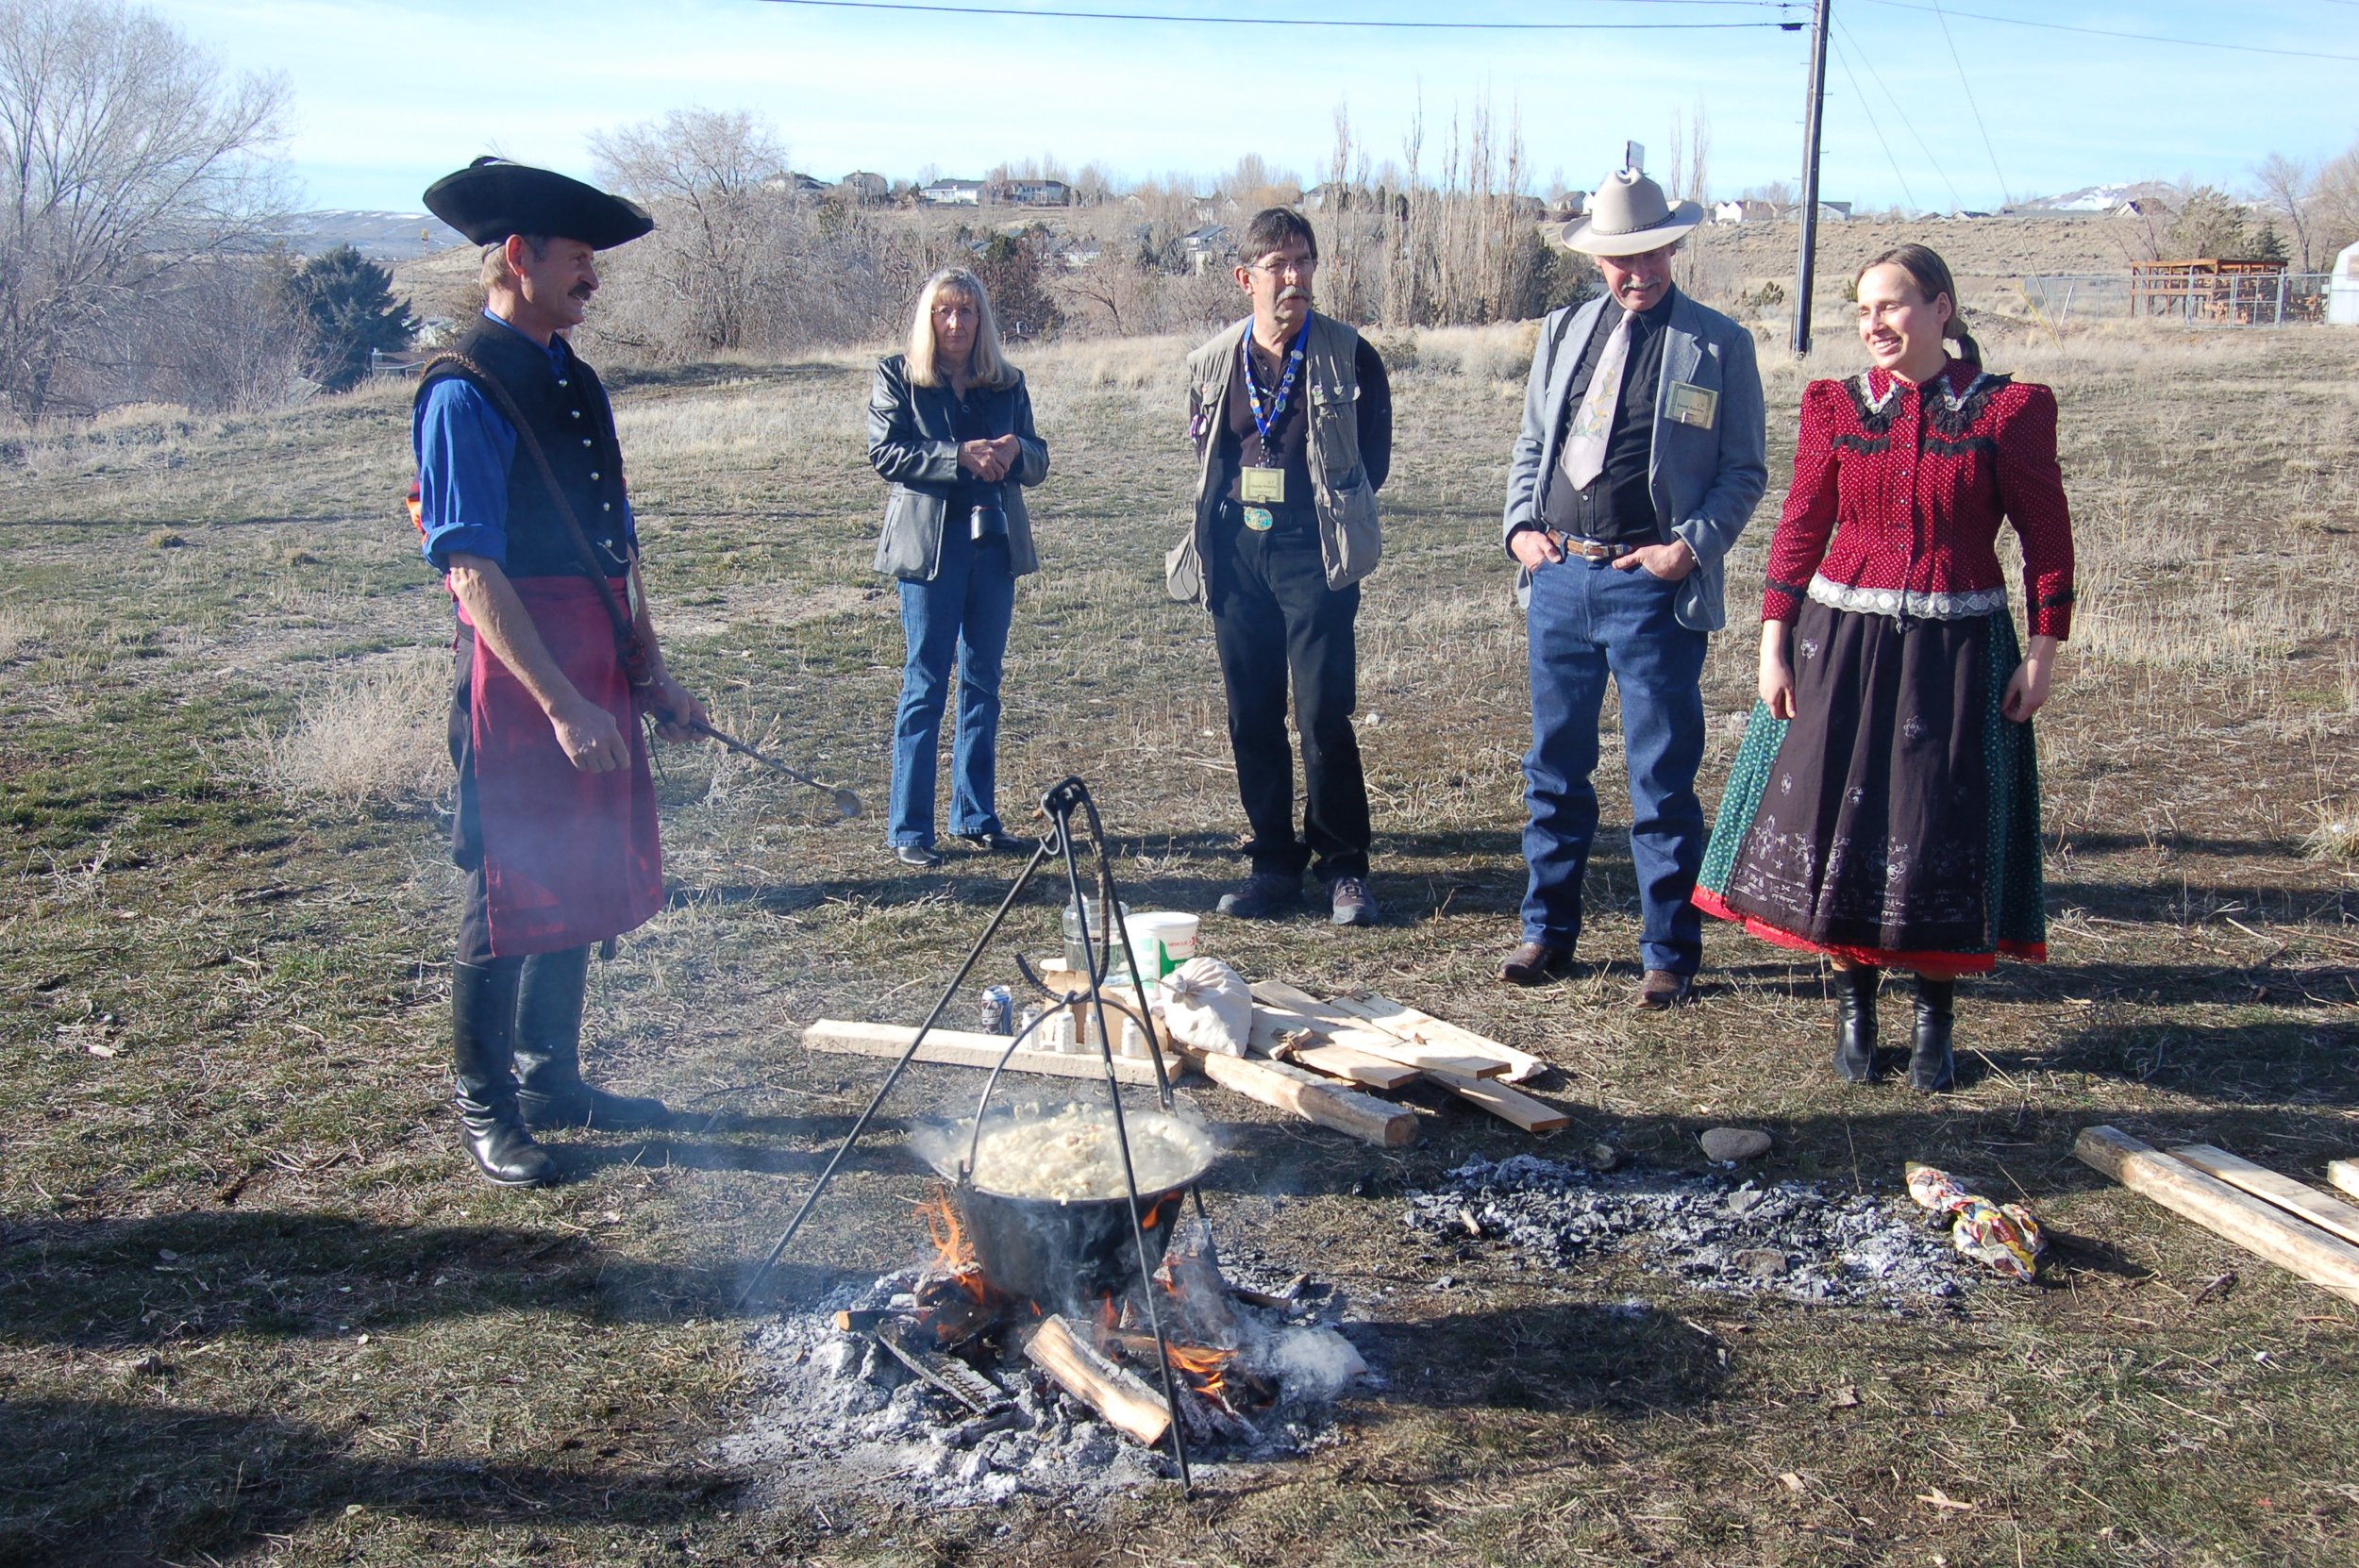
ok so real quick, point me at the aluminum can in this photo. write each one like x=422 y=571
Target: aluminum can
x=998 y=1010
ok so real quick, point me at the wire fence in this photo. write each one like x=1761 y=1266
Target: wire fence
x=2272 y=299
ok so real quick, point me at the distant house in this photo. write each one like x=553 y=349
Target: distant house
x=2136 y=208
x=1829 y=212
x=1028 y=193
x=952 y=192
x=1567 y=205
x=860 y=185
x=1744 y=212
x=1079 y=253
x=793 y=184
x=1205 y=247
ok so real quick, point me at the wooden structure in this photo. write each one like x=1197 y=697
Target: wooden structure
x=2229 y=293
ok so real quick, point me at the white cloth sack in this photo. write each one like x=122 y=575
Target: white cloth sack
x=1207 y=1004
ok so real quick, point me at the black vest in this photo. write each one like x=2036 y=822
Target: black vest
x=576 y=427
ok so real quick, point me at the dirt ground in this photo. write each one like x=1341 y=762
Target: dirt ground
x=255 y=1307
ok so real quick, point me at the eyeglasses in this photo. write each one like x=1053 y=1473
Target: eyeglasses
x=1278 y=266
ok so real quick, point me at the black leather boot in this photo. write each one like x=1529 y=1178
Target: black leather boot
x=1855 y=1023
x=483 y=1040
x=1931 y=1065
x=548 y=1053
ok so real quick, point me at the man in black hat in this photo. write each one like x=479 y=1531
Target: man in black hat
x=522 y=502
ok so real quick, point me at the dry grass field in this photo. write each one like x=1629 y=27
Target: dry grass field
x=255 y=1307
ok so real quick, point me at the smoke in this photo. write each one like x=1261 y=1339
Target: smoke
x=1312 y=1364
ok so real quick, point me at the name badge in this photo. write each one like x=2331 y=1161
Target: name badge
x=1693 y=404
x=1264 y=486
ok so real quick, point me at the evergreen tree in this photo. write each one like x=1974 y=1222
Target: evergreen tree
x=2211 y=224
x=348 y=302
x=2268 y=246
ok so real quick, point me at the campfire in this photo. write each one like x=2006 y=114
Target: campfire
x=973 y=1343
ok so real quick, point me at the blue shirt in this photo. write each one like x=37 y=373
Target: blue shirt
x=465 y=448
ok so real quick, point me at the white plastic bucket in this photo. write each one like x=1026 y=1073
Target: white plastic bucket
x=1161 y=939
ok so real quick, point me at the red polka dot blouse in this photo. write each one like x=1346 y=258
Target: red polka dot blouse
x=1912 y=484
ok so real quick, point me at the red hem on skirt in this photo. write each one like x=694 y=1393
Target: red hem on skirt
x=1936 y=963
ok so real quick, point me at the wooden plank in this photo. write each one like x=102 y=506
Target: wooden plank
x=960 y=1048
x=1310 y=1097
x=1273 y=1027
x=2288 y=1242
x=2328 y=1214
x=2345 y=1175
x=1508 y=1105
x=1121 y=1396
x=1416 y=1024
x=1346 y=1028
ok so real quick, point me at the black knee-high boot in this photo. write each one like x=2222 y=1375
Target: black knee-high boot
x=1855 y=1023
x=1933 y=1067
x=548 y=1053
x=483 y=1041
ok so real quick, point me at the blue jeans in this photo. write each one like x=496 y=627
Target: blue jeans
x=965 y=610
x=1586 y=622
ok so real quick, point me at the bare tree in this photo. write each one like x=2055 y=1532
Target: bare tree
x=714 y=181
x=126 y=158
x=2287 y=188
x=2335 y=211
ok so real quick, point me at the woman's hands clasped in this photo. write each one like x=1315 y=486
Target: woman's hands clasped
x=990 y=460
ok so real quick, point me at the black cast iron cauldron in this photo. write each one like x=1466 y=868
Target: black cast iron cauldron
x=1066 y=1256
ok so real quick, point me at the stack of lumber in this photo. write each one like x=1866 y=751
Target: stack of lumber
x=1318 y=1059
x=2272 y=1216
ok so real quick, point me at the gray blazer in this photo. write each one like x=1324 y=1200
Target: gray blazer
x=1705 y=481
x=913 y=442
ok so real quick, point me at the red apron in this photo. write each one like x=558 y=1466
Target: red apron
x=569 y=858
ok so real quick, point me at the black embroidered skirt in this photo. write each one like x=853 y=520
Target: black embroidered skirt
x=1894 y=819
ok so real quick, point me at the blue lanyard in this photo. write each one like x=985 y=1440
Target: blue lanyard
x=1263 y=423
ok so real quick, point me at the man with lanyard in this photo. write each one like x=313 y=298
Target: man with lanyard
x=1292 y=417
x=521 y=499
x=1639 y=462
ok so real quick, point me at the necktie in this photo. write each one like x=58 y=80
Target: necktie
x=1583 y=456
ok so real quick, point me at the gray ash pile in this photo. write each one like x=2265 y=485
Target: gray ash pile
x=1788 y=1238
x=837 y=1410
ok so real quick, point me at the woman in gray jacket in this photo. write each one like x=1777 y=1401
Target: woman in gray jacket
x=950 y=429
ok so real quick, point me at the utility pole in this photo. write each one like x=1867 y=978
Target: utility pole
x=1813 y=111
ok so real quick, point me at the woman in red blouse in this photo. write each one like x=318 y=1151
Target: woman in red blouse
x=1883 y=809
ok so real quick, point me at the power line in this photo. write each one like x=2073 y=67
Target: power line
x=1050 y=15
x=1844 y=54
x=1956 y=201
x=2108 y=32
x=2005 y=198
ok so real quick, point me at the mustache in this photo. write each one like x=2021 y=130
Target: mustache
x=1293 y=291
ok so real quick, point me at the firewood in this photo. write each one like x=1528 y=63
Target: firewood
x=960 y=1048
x=1286 y=1036
x=1412 y=1024
x=970 y=1388
x=1122 y=1397
x=2327 y=1214
x=1349 y=1029
x=859 y=1320
x=2345 y=1175
x=1508 y=1105
x=1310 y=1097
x=2290 y=1244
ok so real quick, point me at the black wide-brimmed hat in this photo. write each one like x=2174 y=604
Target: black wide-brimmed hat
x=492 y=198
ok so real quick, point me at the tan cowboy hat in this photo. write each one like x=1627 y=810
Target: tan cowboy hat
x=1629 y=215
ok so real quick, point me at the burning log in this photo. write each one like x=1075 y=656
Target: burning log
x=962 y=1382
x=1123 y=1398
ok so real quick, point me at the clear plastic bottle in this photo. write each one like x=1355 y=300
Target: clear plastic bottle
x=1076 y=953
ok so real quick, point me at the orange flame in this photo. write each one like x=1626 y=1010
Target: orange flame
x=1207 y=1368
x=953 y=1254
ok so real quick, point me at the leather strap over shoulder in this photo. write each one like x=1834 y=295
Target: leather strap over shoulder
x=627 y=642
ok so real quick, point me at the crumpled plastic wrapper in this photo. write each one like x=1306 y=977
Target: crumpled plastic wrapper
x=2003 y=1237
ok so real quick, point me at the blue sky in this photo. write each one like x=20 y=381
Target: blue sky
x=389 y=94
